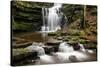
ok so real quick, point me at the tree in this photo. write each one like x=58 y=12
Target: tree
x=83 y=18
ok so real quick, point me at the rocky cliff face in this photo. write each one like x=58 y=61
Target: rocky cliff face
x=27 y=16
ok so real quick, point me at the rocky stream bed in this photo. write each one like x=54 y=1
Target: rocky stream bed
x=26 y=51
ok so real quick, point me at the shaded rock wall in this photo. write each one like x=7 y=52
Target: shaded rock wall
x=27 y=16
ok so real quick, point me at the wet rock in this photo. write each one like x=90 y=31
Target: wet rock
x=21 y=55
x=53 y=42
x=56 y=48
x=52 y=34
x=35 y=44
x=73 y=58
x=48 y=50
x=22 y=45
x=59 y=38
x=72 y=42
x=65 y=39
x=36 y=48
x=75 y=45
x=63 y=34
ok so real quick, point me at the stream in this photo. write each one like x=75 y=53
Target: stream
x=65 y=54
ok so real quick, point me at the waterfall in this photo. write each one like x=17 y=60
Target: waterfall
x=54 y=18
x=40 y=51
x=51 y=18
x=82 y=47
x=64 y=47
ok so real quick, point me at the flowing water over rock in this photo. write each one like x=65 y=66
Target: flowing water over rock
x=67 y=54
x=64 y=47
x=82 y=47
x=63 y=57
x=36 y=47
x=51 y=18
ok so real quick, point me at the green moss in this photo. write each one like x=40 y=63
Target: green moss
x=52 y=34
x=82 y=33
x=21 y=26
x=72 y=42
x=75 y=38
x=74 y=32
x=82 y=41
x=19 y=51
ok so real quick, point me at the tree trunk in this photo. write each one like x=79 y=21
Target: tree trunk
x=84 y=16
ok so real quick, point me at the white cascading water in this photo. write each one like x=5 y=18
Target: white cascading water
x=82 y=47
x=51 y=18
x=64 y=47
x=66 y=54
x=35 y=47
x=44 y=28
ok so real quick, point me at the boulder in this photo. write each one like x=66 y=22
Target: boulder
x=59 y=38
x=21 y=55
x=53 y=42
x=21 y=45
x=74 y=44
x=73 y=58
x=48 y=49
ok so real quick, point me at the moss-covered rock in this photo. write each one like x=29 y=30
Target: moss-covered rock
x=26 y=15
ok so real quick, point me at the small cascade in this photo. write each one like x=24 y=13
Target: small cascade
x=41 y=51
x=85 y=50
x=64 y=47
x=82 y=47
x=66 y=54
x=36 y=47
